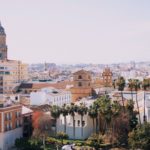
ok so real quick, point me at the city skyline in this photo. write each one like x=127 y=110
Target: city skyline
x=98 y=32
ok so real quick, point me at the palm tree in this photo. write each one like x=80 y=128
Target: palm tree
x=131 y=86
x=137 y=85
x=92 y=112
x=115 y=108
x=105 y=111
x=55 y=113
x=71 y=110
x=82 y=110
x=121 y=85
x=144 y=85
x=114 y=83
x=98 y=119
x=64 y=112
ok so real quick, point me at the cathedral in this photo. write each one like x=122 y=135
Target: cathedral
x=3 y=46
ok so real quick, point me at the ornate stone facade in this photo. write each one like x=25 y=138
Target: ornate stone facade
x=107 y=77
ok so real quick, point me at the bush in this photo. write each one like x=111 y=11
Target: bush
x=94 y=140
x=140 y=137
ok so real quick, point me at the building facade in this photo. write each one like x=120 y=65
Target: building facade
x=12 y=72
x=50 y=96
x=81 y=85
x=86 y=124
x=10 y=125
x=107 y=77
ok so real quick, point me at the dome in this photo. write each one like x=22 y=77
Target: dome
x=2 y=30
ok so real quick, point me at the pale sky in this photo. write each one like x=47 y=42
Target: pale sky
x=74 y=31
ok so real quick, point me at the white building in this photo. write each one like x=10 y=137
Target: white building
x=143 y=99
x=50 y=96
x=87 y=123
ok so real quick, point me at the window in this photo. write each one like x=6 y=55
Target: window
x=78 y=123
x=83 y=123
x=17 y=123
x=79 y=77
x=79 y=84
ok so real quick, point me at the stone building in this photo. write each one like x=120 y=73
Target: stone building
x=81 y=85
x=3 y=46
x=107 y=77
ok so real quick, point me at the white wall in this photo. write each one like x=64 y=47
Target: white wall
x=37 y=98
x=40 y=98
x=7 y=139
x=87 y=129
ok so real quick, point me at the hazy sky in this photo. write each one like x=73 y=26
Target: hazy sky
x=74 y=31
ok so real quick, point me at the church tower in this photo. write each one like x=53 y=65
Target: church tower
x=82 y=85
x=107 y=77
x=3 y=46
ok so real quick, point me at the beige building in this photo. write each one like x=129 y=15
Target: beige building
x=12 y=72
x=82 y=85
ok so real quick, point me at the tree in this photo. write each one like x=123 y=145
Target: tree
x=64 y=112
x=131 y=86
x=42 y=126
x=82 y=110
x=121 y=85
x=137 y=85
x=92 y=112
x=55 y=113
x=145 y=85
x=131 y=115
x=115 y=109
x=140 y=138
x=71 y=110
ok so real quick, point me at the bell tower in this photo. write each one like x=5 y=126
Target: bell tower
x=3 y=46
x=107 y=77
x=82 y=85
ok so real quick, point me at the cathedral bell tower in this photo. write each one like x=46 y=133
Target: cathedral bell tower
x=3 y=46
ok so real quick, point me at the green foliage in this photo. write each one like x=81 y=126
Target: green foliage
x=133 y=121
x=55 y=111
x=94 y=140
x=28 y=144
x=62 y=135
x=140 y=138
x=121 y=83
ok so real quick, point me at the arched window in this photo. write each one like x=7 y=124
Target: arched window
x=79 y=84
x=79 y=77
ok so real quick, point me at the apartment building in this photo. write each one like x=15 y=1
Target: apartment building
x=10 y=124
x=12 y=73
